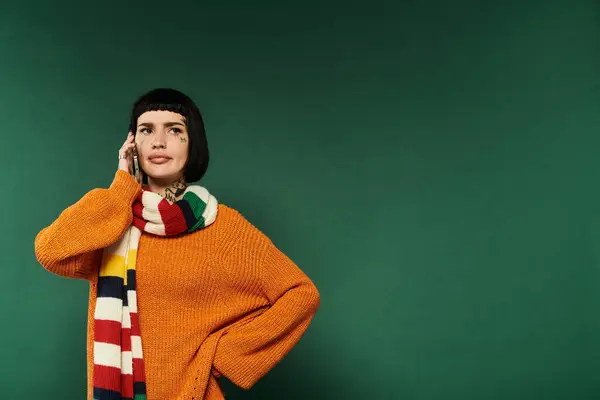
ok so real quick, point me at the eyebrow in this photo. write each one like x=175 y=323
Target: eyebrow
x=167 y=124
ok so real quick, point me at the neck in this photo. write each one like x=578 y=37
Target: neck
x=170 y=190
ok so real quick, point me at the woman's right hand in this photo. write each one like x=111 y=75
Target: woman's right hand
x=125 y=154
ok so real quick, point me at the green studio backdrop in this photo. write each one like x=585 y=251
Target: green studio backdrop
x=432 y=166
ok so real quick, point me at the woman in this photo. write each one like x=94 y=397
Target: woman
x=183 y=290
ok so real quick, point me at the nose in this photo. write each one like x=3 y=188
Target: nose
x=159 y=140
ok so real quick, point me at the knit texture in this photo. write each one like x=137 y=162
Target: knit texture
x=221 y=301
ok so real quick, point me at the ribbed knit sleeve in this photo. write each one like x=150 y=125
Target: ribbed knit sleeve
x=246 y=353
x=72 y=245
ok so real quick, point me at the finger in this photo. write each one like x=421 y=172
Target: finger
x=125 y=150
x=127 y=146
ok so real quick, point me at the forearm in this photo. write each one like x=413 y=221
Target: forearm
x=71 y=245
x=246 y=354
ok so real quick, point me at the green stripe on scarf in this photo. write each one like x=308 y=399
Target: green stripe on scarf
x=198 y=207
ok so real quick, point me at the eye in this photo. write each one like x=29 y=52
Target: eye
x=145 y=130
x=176 y=130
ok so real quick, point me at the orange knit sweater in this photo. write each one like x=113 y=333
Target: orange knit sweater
x=223 y=300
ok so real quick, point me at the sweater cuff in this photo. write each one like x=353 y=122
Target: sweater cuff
x=125 y=186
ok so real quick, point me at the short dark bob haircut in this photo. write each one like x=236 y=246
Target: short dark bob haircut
x=166 y=99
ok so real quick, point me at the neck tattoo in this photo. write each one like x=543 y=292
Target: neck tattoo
x=175 y=190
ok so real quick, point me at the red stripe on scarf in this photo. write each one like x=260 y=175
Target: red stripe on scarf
x=107 y=332
x=125 y=339
x=138 y=220
x=172 y=218
x=135 y=325
x=127 y=386
x=107 y=378
x=139 y=374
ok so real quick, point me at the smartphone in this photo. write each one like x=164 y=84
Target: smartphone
x=136 y=165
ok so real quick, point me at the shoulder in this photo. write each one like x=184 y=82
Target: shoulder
x=228 y=213
x=228 y=216
x=233 y=225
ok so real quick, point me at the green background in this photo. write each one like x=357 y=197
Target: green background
x=431 y=165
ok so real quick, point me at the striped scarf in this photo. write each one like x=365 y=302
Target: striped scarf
x=118 y=358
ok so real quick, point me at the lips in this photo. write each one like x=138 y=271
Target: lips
x=159 y=158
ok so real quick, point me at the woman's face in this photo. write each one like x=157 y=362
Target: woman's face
x=162 y=141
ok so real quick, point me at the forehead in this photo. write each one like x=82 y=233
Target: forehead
x=160 y=117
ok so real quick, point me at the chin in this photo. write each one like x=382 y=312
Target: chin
x=166 y=172
x=162 y=175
